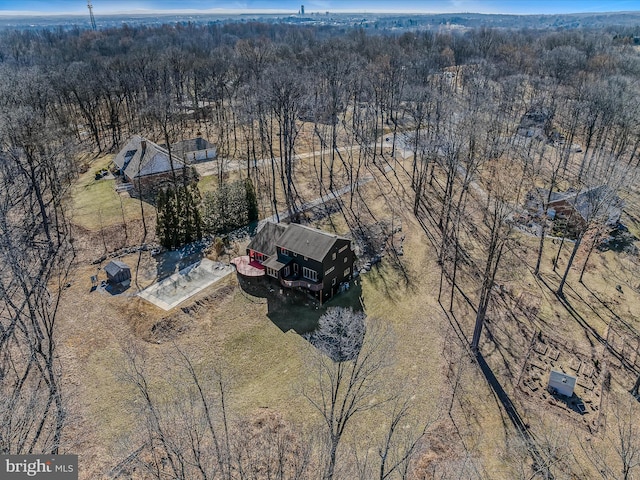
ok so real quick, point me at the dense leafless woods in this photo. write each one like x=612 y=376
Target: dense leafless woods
x=481 y=118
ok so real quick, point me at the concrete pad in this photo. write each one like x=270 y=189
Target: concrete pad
x=180 y=286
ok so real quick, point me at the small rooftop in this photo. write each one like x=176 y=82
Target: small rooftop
x=273 y=262
x=116 y=266
x=559 y=377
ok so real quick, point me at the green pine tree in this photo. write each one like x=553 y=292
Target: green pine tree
x=179 y=221
x=161 y=221
x=252 y=200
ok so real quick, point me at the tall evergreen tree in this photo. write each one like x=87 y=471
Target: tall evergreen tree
x=179 y=220
x=232 y=206
x=252 y=200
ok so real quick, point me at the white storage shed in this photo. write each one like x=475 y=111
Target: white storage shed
x=561 y=383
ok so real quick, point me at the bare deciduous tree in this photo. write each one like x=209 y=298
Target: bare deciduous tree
x=35 y=258
x=401 y=442
x=500 y=226
x=617 y=453
x=189 y=432
x=343 y=389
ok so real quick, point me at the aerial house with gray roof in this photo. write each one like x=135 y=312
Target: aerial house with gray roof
x=142 y=162
x=579 y=206
x=118 y=273
x=194 y=150
x=561 y=383
x=301 y=257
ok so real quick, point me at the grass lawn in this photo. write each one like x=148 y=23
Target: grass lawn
x=251 y=342
x=95 y=203
x=208 y=183
x=254 y=342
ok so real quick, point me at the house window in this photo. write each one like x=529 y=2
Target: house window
x=345 y=259
x=305 y=259
x=333 y=282
x=295 y=268
x=258 y=256
x=310 y=274
x=287 y=270
x=343 y=249
x=330 y=270
x=333 y=257
x=295 y=254
x=284 y=251
x=272 y=272
x=347 y=272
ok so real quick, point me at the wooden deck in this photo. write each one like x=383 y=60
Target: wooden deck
x=314 y=287
x=246 y=267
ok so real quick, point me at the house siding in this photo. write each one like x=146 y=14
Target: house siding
x=302 y=263
x=339 y=265
x=567 y=211
x=330 y=272
x=327 y=269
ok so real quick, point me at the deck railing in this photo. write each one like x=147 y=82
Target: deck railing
x=314 y=287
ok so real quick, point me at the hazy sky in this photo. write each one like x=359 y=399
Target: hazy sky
x=426 y=6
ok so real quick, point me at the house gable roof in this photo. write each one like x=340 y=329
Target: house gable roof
x=589 y=203
x=308 y=242
x=560 y=377
x=541 y=194
x=599 y=201
x=135 y=161
x=116 y=266
x=265 y=240
x=183 y=147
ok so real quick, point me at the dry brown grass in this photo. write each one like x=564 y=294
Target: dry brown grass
x=229 y=330
x=232 y=331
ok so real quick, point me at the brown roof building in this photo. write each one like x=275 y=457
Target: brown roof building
x=580 y=207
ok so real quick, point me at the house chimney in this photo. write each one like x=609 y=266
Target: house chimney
x=143 y=144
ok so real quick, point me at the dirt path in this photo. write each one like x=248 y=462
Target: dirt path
x=212 y=167
x=333 y=195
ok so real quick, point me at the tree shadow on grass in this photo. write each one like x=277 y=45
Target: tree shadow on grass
x=172 y=261
x=564 y=301
x=514 y=416
x=580 y=320
x=295 y=310
x=594 y=294
x=502 y=396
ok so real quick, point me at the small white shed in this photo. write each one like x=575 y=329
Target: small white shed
x=561 y=383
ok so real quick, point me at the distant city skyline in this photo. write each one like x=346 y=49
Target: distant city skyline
x=283 y=6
